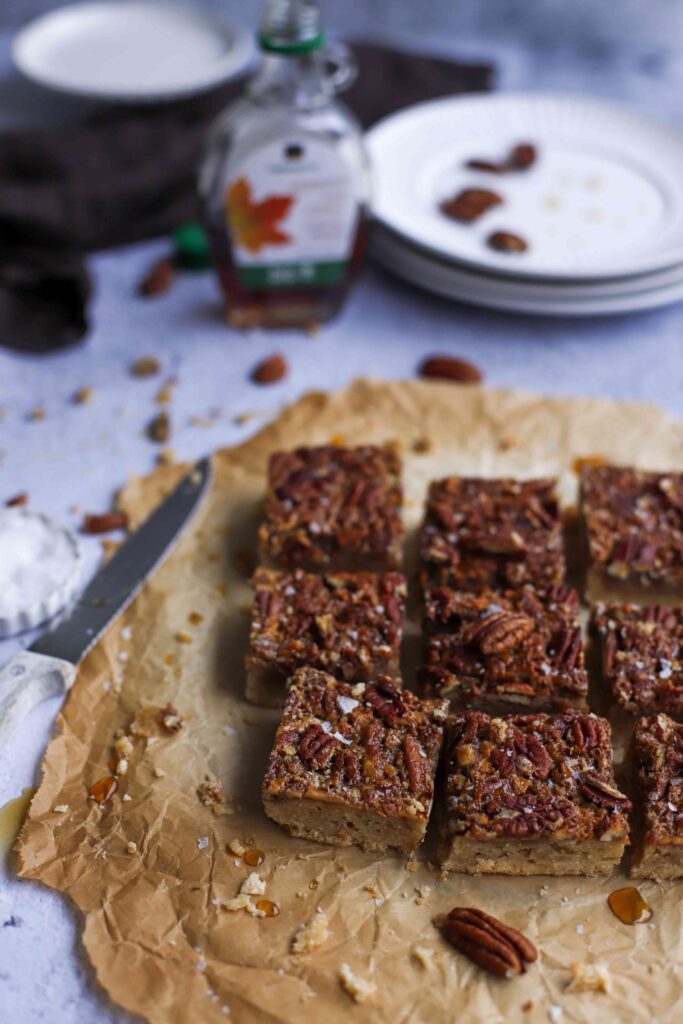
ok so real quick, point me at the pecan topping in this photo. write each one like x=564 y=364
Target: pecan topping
x=586 y=732
x=634 y=522
x=565 y=647
x=385 y=697
x=488 y=942
x=470 y=204
x=501 y=631
x=602 y=793
x=417 y=764
x=317 y=746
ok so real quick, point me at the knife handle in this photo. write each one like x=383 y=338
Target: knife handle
x=28 y=679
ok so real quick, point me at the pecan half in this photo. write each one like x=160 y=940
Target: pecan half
x=418 y=766
x=501 y=631
x=385 y=697
x=586 y=733
x=506 y=241
x=488 y=942
x=451 y=368
x=270 y=370
x=565 y=647
x=157 y=280
x=470 y=204
x=104 y=523
x=603 y=794
x=522 y=156
x=317 y=746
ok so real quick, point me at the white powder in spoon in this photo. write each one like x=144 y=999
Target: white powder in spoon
x=36 y=558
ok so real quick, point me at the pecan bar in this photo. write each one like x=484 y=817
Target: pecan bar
x=348 y=624
x=531 y=795
x=504 y=650
x=632 y=524
x=493 y=534
x=658 y=763
x=333 y=509
x=354 y=763
x=641 y=654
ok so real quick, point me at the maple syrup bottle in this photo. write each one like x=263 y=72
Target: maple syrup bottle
x=284 y=182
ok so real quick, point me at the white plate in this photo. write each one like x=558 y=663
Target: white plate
x=605 y=198
x=478 y=290
x=131 y=50
x=386 y=243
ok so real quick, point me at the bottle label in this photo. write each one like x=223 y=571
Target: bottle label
x=292 y=214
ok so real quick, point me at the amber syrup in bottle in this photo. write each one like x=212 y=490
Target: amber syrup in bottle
x=284 y=182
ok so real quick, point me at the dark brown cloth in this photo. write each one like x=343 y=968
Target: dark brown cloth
x=129 y=172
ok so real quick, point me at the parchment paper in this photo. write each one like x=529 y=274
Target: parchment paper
x=158 y=942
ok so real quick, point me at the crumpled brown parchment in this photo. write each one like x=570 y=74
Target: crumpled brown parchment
x=158 y=941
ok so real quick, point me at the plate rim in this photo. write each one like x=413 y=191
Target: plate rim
x=569 y=99
x=237 y=60
x=597 y=306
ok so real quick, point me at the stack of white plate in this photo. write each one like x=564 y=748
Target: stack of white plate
x=601 y=208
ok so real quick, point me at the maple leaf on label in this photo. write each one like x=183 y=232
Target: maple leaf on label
x=252 y=224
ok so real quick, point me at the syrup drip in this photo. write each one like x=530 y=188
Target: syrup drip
x=629 y=906
x=313 y=884
x=104 y=789
x=268 y=908
x=12 y=816
x=254 y=857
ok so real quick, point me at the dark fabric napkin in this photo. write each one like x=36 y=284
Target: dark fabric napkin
x=128 y=172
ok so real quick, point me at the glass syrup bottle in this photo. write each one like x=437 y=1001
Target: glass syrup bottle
x=284 y=182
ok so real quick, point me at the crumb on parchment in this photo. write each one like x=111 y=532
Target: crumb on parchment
x=253 y=885
x=237 y=847
x=424 y=956
x=312 y=934
x=588 y=978
x=356 y=987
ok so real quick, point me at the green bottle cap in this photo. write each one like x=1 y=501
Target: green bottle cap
x=291 y=27
x=191 y=248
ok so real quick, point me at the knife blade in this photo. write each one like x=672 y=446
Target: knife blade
x=48 y=667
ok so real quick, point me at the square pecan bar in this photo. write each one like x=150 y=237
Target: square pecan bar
x=531 y=795
x=658 y=764
x=504 y=650
x=333 y=509
x=632 y=525
x=492 y=534
x=641 y=654
x=354 y=763
x=348 y=624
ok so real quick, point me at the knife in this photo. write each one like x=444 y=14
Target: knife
x=49 y=666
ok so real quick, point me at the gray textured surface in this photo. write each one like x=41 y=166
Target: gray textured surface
x=78 y=455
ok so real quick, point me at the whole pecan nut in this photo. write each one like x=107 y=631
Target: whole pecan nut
x=501 y=631
x=488 y=942
x=317 y=746
x=602 y=793
x=385 y=697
